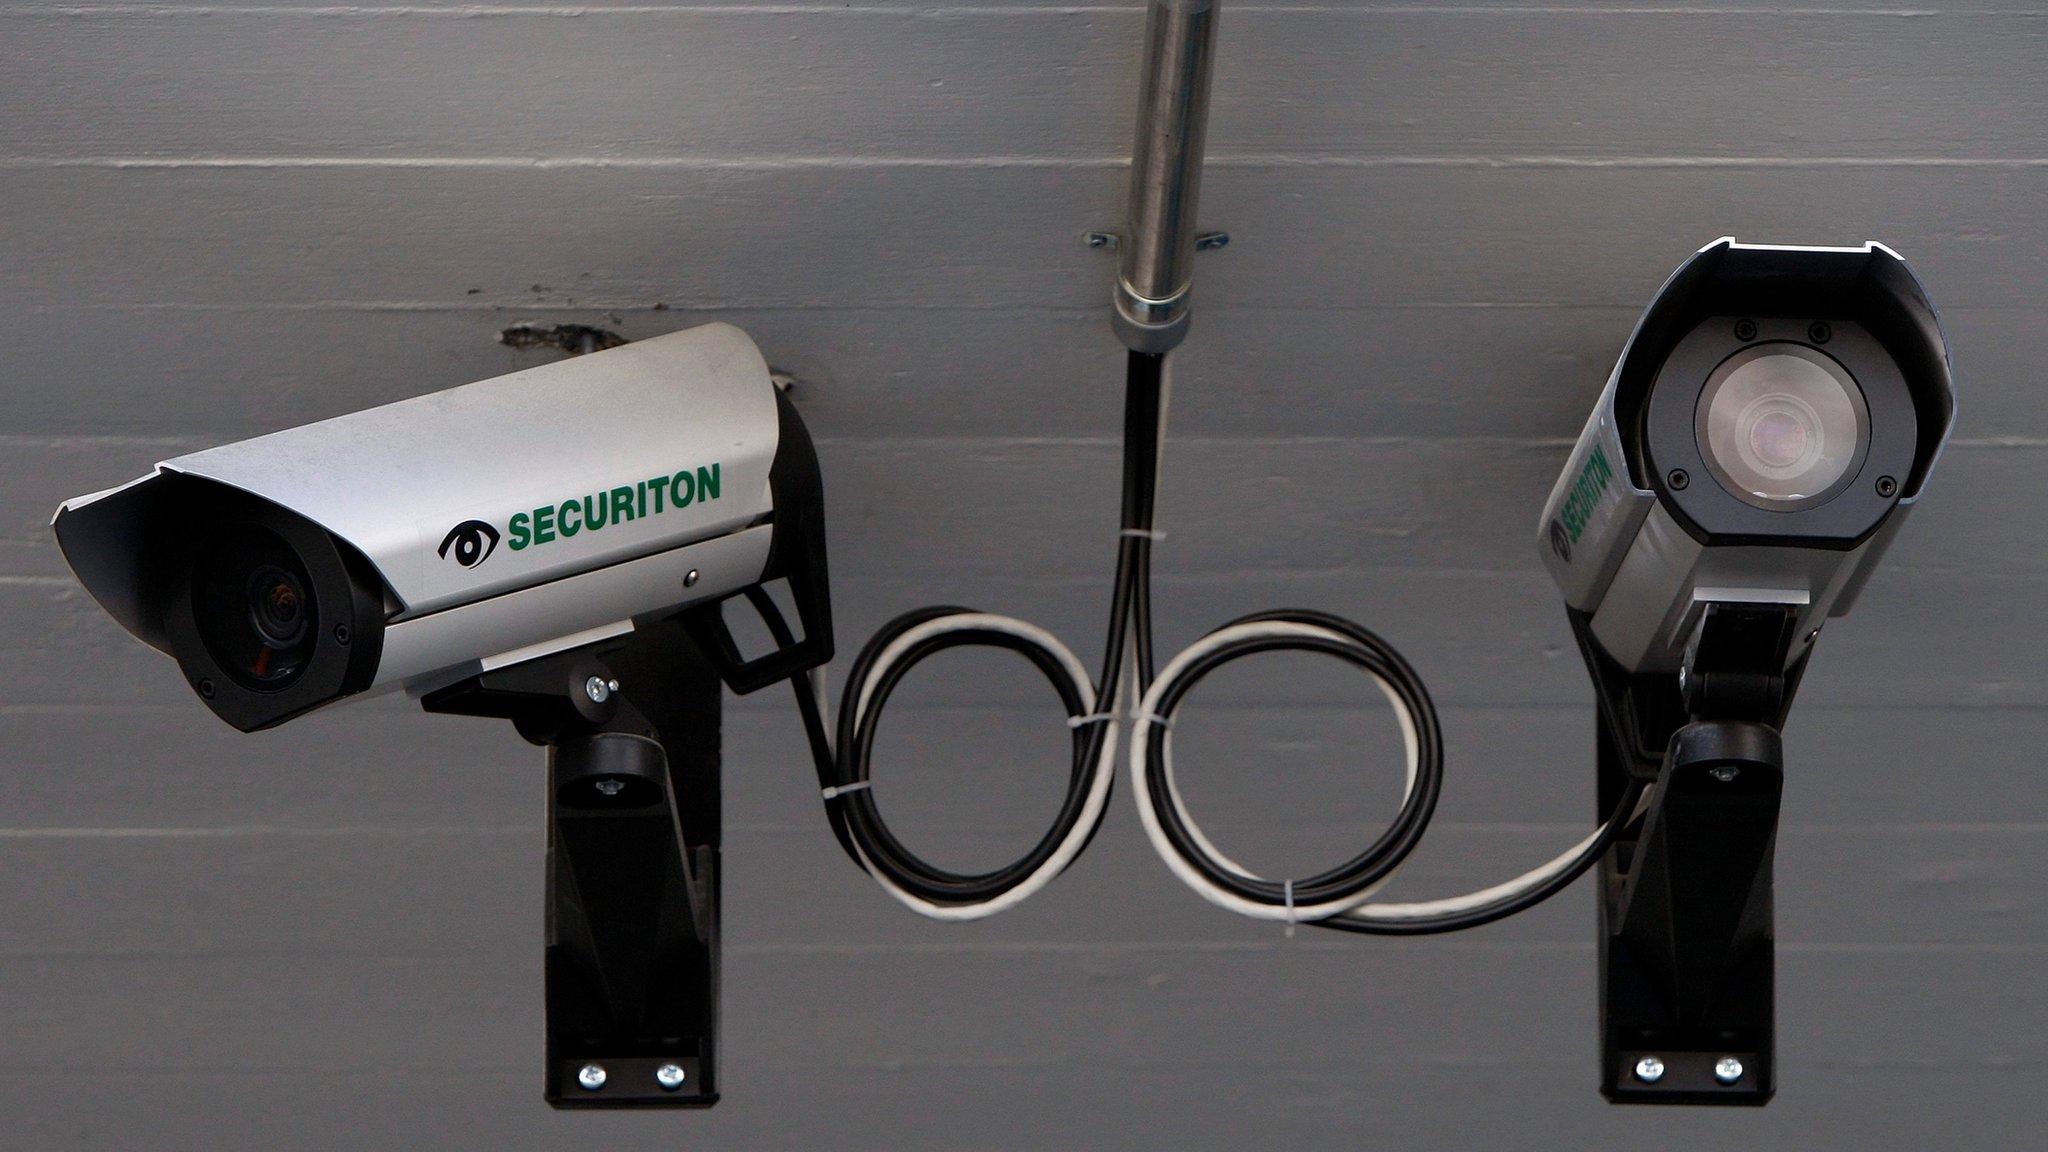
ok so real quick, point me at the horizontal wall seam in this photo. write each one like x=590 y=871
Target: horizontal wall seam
x=966 y=443
x=817 y=162
x=960 y=11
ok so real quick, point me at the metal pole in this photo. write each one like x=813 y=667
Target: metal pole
x=1158 y=244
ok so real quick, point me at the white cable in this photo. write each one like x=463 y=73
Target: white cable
x=1430 y=909
x=1100 y=777
x=1450 y=905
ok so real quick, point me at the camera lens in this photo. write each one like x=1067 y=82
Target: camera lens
x=251 y=602
x=1782 y=426
x=277 y=605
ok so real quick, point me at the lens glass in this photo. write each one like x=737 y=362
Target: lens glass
x=253 y=603
x=1782 y=426
x=277 y=605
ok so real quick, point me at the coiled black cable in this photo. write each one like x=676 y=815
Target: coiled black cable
x=844 y=762
x=1336 y=898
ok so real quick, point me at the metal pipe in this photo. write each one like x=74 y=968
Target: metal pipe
x=1158 y=245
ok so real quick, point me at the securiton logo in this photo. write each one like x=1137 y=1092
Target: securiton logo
x=473 y=541
x=1579 y=503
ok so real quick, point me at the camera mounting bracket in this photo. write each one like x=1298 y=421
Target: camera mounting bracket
x=631 y=726
x=1687 y=946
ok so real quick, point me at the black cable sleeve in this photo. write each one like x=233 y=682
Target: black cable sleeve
x=846 y=758
x=1362 y=649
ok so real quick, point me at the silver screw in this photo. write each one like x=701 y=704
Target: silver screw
x=1649 y=1069
x=1724 y=773
x=611 y=787
x=669 y=1076
x=598 y=689
x=1728 y=1070
x=591 y=1077
x=690 y=578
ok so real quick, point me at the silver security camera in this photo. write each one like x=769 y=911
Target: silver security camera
x=1773 y=418
x=423 y=542
x=1770 y=423
x=554 y=548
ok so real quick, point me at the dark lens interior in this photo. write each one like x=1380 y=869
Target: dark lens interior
x=277 y=605
x=253 y=603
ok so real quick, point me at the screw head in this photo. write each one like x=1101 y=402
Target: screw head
x=1724 y=773
x=1887 y=487
x=610 y=787
x=690 y=578
x=1678 y=479
x=341 y=633
x=1728 y=1070
x=591 y=1077
x=1649 y=1069
x=206 y=689
x=598 y=689
x=1745 y=329
x=1819 y=332
x=670 y=1076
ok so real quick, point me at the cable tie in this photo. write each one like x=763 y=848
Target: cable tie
x=1152 y=534
x=838 y=790
x=1287 y=893
x=1090 y=718
x=1165 y=722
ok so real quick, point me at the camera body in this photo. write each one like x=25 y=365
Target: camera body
x=423 y=542
x=1771 y=421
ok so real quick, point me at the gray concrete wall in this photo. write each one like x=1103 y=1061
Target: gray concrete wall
x=223 y=219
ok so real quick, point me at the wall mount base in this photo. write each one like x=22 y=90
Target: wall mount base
x=631 y=728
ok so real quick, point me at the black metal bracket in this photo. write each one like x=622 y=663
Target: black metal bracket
x=797 y=556
x=1687 y=944
x=631 y=726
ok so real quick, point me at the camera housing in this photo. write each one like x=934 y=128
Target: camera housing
x=1774 y=416
x=421 y=543
x=1772 y=419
